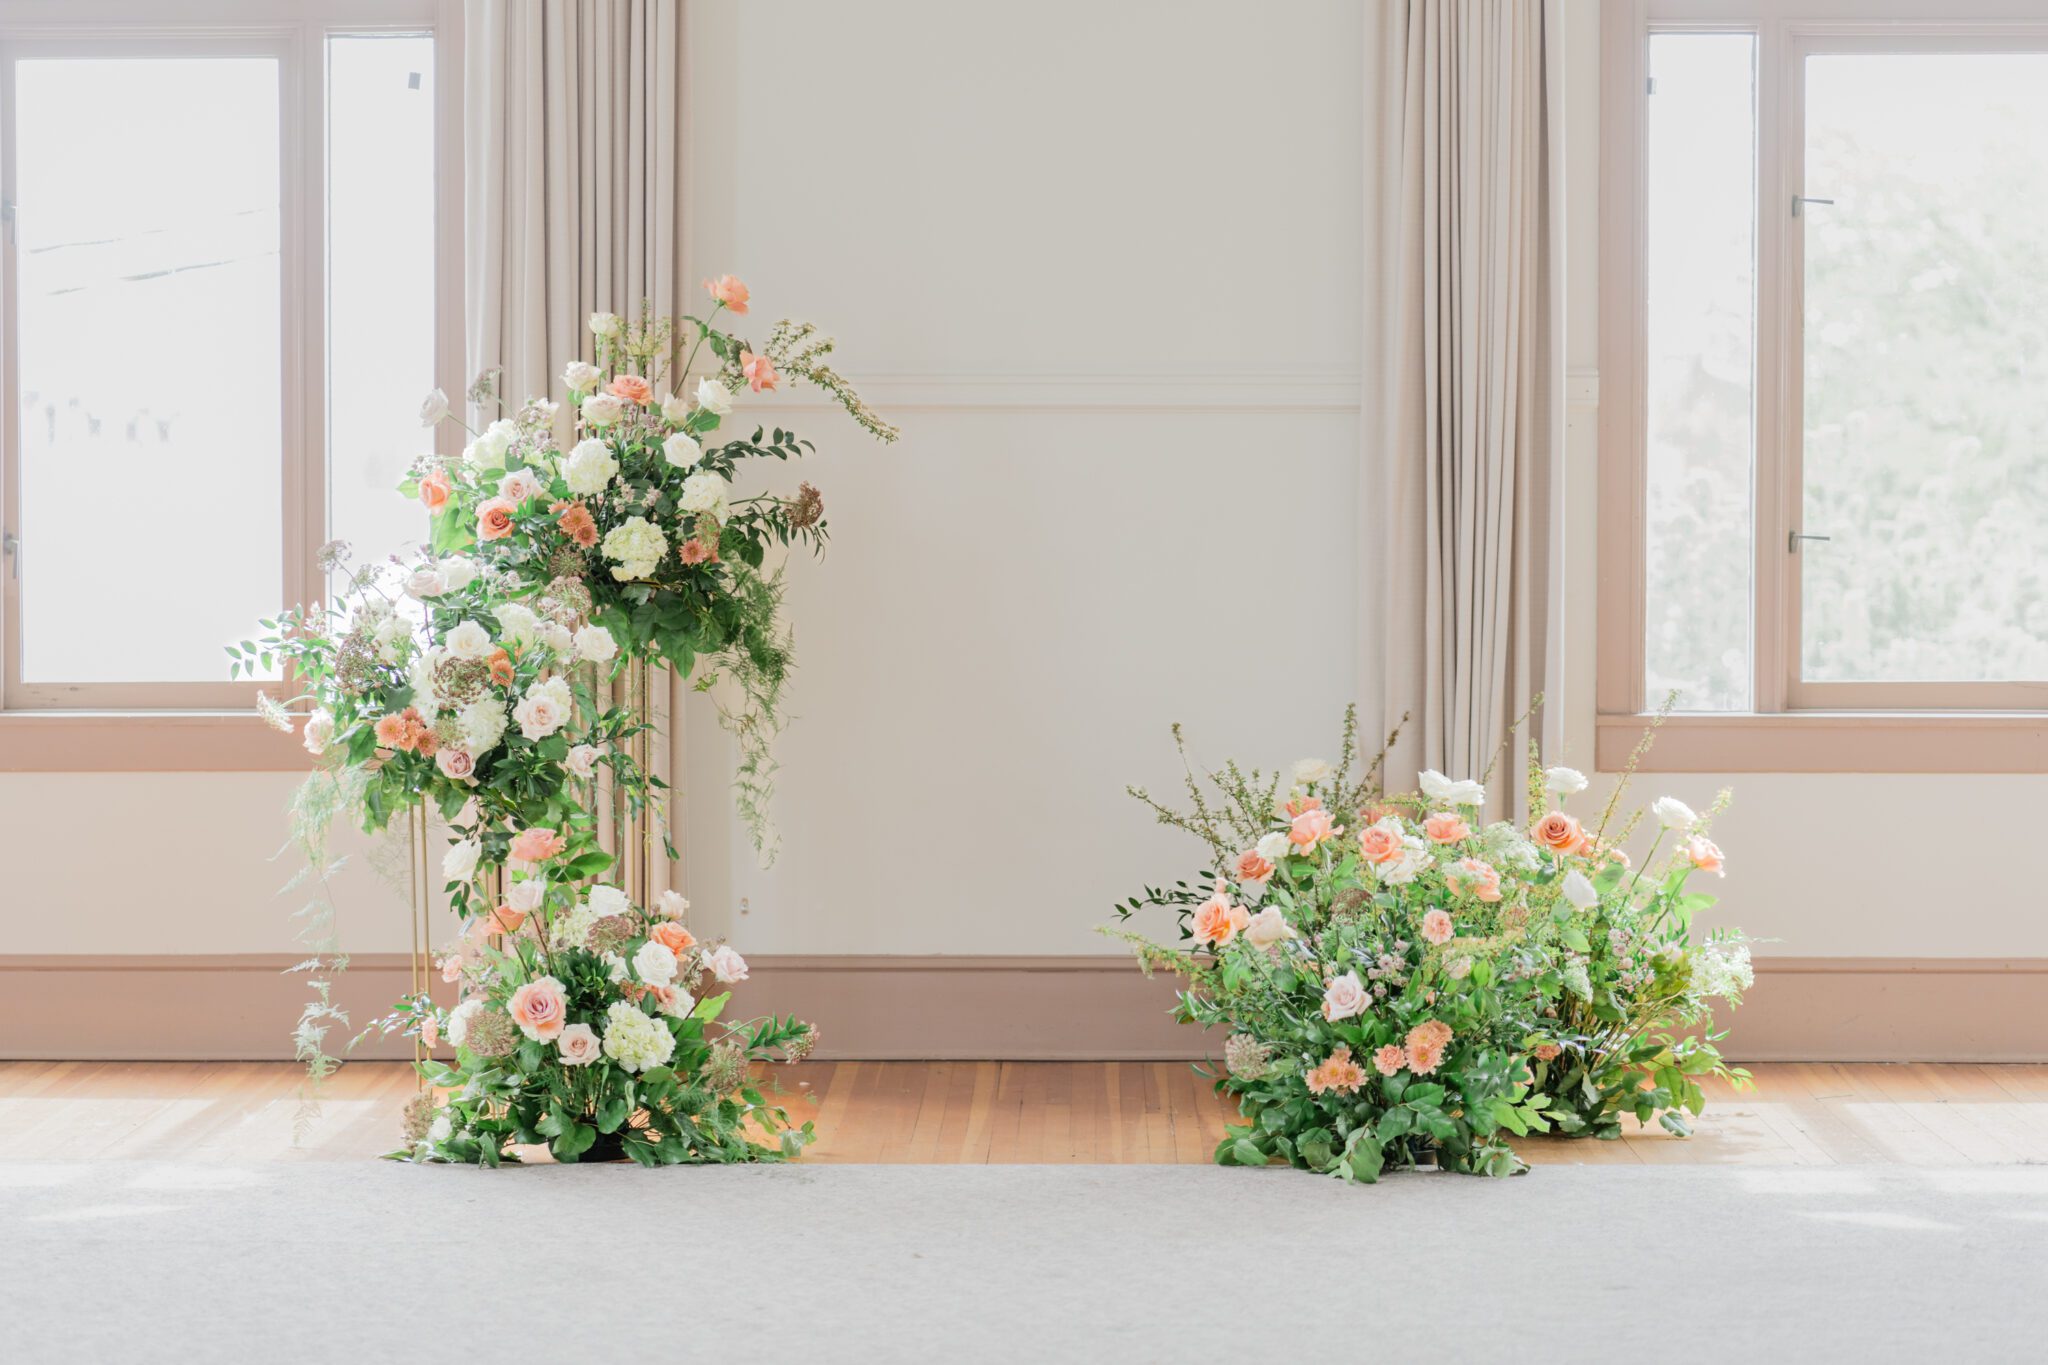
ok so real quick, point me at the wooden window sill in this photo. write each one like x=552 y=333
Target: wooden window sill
x=145 y=742
x=1832 y=742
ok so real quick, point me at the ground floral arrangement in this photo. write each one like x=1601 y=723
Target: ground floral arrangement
x=1406 y=985
x=474 y=681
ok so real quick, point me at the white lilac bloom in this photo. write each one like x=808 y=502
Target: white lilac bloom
x=714 y=397
x=1564 y=781
x=497 y=439
x=1673 y=813
x=589 y=468
x=457 y=1031
x=1444 y=791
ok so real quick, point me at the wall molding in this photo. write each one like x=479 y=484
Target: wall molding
x=1097 y=1007
x=1274 y=392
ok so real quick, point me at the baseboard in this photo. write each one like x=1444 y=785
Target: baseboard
x=242 y=1007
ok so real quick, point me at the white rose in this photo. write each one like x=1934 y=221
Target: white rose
x=594 y=644
x=725 y=964
x=1673 y=813
x=469 y=641
x=682 y=450
x=1267 y=928
x=673 y=906
x=1579 y=891
x=677 y=1003
x=604 y=324
x=601 y=409
x=319 y=730
x=1564 y=781
x=607 y=900
x=578 y=1045
x=581 y=375
x=1273 y=847
x=1404 y=869
x=675 y=409
x=458 y=864
x=1310 y=772
x=459 y=571
x=483 y=724
x=555 y=636
x=519 y=485
x=426 y=581
x=1442 y=789
x=517 y=623
x=527 y=895
x=582 y=760
x=433 y=408
x=589 y=468
x=714 y=397
x=704 y=493
x=655 y=964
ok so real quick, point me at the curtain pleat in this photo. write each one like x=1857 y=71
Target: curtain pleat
x=1463 y=377
x=572 y=196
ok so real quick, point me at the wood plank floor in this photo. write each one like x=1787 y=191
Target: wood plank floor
x=1797 y=1114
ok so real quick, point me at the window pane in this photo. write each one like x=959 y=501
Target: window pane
x=380 y=282
x=1926 y=387
x=1701 y=365
x=149 y=325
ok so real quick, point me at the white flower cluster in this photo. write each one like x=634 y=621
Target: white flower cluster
x=589 y=468
x=634 y=1040
x=636 y=545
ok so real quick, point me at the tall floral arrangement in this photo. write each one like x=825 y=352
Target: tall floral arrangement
x=471 y=680
x=1405 y=983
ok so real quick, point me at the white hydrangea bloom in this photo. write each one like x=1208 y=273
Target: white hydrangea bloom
x=589 y=468
x=634 y=1040
x=635 y=547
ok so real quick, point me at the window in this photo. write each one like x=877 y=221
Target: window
x=228 y=279
x=1825 y=404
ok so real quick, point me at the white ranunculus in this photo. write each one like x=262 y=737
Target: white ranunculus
x=714 y=397
x=675 y=409
x=604 y=324
x=483 y=724
x=1310 y=772
x=594 y=644
x=582 y=760
x=459 y=571
x=469 y=641
x=433 y=408
x=319 y=730
x=682 y=450
x=601 y=409
x=1564 y=781
x=635 y=547
x=458 y=864
x=426 y=581
x=589 y=468
x=527 y=895
x=1273 y=847
x=634 y=1040
x=654 y=964
x=1443 y=790
x=725 y=964
x=1579 y=891
x=517 y=623
x=607 y=900
x=1673 y=813
x=704 y=493
x=555 y=636
x=581 y=376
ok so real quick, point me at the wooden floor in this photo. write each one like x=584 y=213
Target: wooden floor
x=1798 y=1114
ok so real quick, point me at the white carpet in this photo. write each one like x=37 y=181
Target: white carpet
x=1047 y=1264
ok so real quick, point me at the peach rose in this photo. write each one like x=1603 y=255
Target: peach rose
x=1559 y=833
x=435 y=489
x=506 y=920
x=540 y=1008
x=1311 y=829
x=1380 y=843
x=695 y=551
x=1436 y=927
x=673 y=937
x=1300 y=804
x=759 y=370
x=494 y=519
x=728 y=290
x=1217 y=921
x=1705 y=854
x=633 y=389
x=1338 y=1072
x=537 y=845
x=1474 y=877
x=1252 y=868
x=1547 y=1052
x=1426 y=1044
x=1446 y=827
x=1389 y=1059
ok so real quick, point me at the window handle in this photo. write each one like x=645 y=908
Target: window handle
x=10 y=544
x=1799 y=199
x=1792 y=539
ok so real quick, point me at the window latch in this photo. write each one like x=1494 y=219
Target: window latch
x=10 y=545
x=1799 y=199
x=1792 y=539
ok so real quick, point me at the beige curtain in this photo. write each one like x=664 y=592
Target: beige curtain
x=1464 y=382
x=573 y=135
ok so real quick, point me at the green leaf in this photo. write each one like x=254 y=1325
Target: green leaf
x=1246 y=1153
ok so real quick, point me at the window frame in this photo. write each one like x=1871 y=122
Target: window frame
x=212 y=726
x=1795 y=725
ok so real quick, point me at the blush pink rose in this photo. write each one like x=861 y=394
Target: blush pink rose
x=540 y=1008
x=1345 y=997
x=537 y=845
x=725 y=964
x=455 y=764
x=430 y=1030
x=578 y=1045
x=1267 y=928
x=1446 y=827
x=1436 y=927
x=1704 y=854
x=1380 y=843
